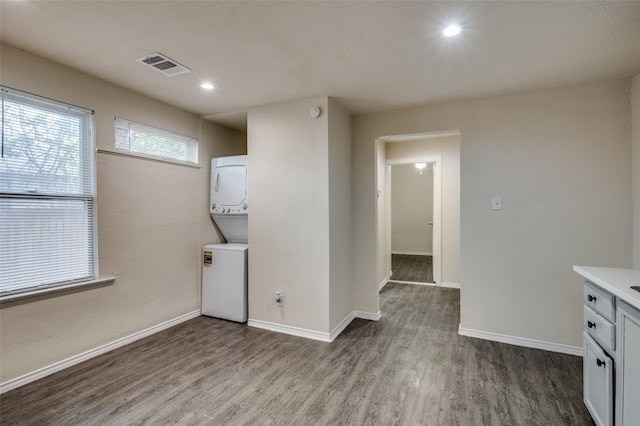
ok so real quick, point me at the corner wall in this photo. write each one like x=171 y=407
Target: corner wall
x=560 y=160
x=289 y=216
x=300 y=220
x=340 y=275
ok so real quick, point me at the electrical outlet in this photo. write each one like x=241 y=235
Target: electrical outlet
x=279 y=299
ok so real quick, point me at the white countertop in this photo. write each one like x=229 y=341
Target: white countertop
x=616 y=281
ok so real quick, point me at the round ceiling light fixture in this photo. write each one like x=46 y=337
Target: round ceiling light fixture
x=452 y=30
x=207 y=86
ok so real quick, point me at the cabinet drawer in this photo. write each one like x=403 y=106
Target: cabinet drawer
x=600 y=329
x=600 y=301
x=598 y=382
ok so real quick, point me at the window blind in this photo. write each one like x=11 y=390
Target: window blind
x=46 y=193
x=148 y=141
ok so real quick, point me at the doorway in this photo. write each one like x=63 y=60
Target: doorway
x=412 y=222
x=414 y=226
x=441 y=151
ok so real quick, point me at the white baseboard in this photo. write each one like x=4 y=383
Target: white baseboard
x=384 y=281
x=414 y=253
x=312 y=334
x=353 y=315
x=443 y=284
x=92 y=353
x=368 y=315
x=340 y=327
x=412 y=282
x=520 y=341
x=292 y=331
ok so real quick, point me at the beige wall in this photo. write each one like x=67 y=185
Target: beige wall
x=635 y=124
x=448 y=148
x=150 y=226
x=341 y=290
x=411 y=209
x=560 y=160
x=289 y=223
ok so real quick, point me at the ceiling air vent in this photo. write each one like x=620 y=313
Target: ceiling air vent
x=161 y=63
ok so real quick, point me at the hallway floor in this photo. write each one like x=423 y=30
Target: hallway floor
x=412 y=268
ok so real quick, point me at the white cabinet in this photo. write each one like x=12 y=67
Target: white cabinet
x=600 y=301
x=600 y=329
x=599 y=353
x=611 y=345
x=628 y=366
x=598 y=382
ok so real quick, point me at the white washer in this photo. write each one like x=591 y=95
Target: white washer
x=224 y=281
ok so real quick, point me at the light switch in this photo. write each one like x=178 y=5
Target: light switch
x=496 y=203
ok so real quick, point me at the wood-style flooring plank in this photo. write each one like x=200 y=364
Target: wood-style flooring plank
x=409 y=368
x=412 y=268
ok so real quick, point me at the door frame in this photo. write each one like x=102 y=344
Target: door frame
x=437 y=209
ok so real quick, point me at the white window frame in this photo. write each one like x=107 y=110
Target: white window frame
x=126 y=130
x=89 y=197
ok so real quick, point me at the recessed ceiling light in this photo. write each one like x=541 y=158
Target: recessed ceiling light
x=452 y=30
x=207 y=86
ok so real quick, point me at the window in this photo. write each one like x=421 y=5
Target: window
x=47 y=194
x=147 y=141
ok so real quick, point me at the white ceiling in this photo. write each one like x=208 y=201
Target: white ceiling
x=370 y=56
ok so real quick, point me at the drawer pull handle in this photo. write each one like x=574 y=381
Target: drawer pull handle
x=591 y=324
x=599 y=362
x=591 y=298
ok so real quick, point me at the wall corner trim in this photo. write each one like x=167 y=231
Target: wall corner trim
x=92 y=353
x=312 y=334
x=368 y=315
x=384 y=282
x=347 y=320
x=450 y=285
x=290 y=330
x=520 y=341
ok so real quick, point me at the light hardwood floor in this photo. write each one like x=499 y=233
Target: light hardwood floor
x=410 y=368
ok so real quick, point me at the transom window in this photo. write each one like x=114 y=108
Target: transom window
x=147 y=141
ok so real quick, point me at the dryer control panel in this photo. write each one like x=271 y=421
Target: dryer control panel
x=235 y=210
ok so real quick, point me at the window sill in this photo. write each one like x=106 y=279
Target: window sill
x=39 y=292
x=147 y=157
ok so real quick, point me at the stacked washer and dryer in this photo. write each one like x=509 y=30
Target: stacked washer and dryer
x=224 y=271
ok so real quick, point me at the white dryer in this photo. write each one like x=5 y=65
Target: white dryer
x=230 y=198
x=224 y=266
